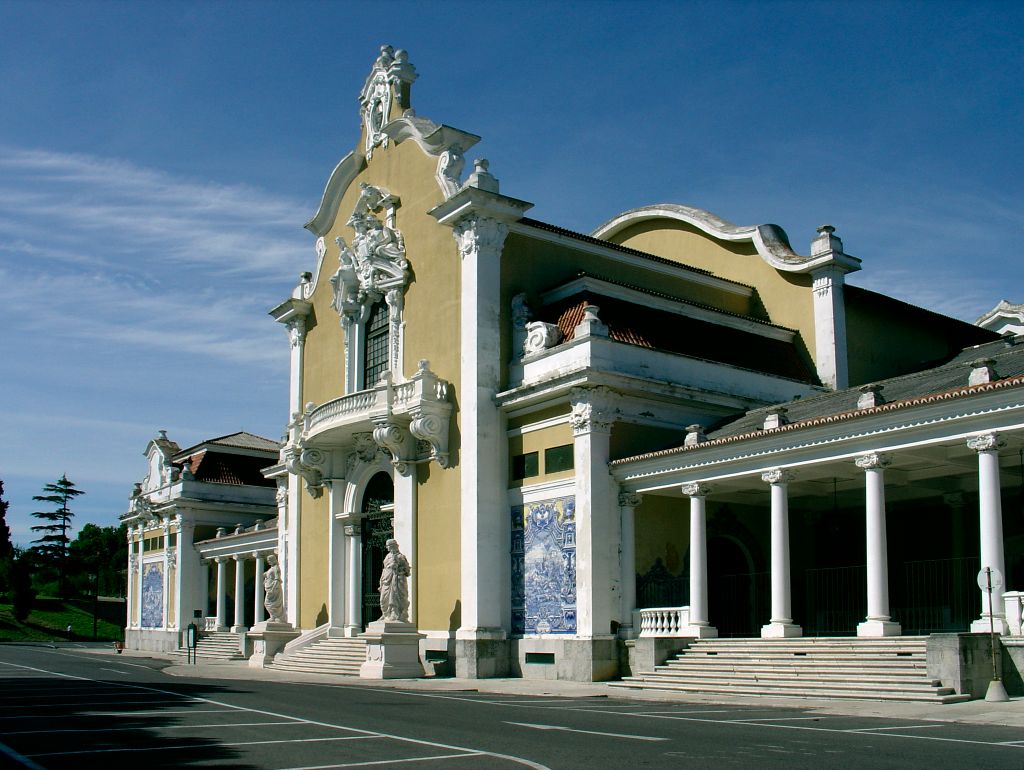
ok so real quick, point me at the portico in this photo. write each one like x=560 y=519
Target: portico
x=898 y=465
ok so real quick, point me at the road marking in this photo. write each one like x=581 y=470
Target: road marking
x=124 y=749
x=103 y=703
x=390 y=761
x=160 y=727
x=518 y=760
x=677 y=711
x=21 y=759
x=122 y=673
x=776 y=719
x=900 y=727
x=587 y=732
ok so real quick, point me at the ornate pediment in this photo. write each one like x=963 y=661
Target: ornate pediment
x=375 y=263
x=389 y=80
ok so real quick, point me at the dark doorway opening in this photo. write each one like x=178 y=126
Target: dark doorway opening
x=377 y=527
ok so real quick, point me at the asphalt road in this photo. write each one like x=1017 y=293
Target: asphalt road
x=67 y=708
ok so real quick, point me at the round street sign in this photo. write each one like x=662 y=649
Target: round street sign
x=997 y=578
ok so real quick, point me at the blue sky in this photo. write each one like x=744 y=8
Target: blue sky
x=158 y=161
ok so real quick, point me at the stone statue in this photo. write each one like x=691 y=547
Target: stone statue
x=273 y=596
x=394 y=586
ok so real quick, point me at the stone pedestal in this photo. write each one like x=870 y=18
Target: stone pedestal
x=268 y=639
x=392 y=651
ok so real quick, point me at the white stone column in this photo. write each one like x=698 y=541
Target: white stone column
x=628 y=502
x=222 y=589
x=781 y=623
x=131 y=582
x=485 y=532
x=405 y=522
x=142 y=572
x=259 y=611
x=830 y=356
x=354 y=578
x=336 y=575
x=593 y=415
x=239 y=595
x=479 y=217
x=165 y=622
x=990 y=510
x=879 y=621
x=699 y=625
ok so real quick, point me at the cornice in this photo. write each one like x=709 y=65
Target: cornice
x=771 y=241
x=344 y=173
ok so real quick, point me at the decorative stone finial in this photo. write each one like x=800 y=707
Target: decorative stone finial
x=163 y=434
x=591 y=325
x=775 y=418
x=982 y=371
x=870 y=396
x=826 y=242
x=694 y=435
x=481 y=178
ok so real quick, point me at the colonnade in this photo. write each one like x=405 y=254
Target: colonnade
x=240 y=559
x=878 y=620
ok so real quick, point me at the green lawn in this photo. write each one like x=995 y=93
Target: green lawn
x=49 y=620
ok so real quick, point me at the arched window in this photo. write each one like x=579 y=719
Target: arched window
x=375 y=344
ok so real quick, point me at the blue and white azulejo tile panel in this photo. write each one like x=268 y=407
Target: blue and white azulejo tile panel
x=153 y=595
x=544 y=567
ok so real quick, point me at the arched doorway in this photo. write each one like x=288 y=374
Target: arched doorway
x=377 y=526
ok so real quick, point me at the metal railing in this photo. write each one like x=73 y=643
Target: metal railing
x=939 y=595
x=836 y=600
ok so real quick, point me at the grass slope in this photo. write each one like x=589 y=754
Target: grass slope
x=49 y=620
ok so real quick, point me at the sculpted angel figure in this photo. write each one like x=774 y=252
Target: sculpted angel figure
x=273 y=596
x=394 y=586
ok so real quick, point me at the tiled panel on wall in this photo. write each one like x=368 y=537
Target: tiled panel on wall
x=153 y=595
x=544 y=567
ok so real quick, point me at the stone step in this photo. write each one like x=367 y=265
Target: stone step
x=936 y=695
x=340 y=656
x=801 y=663
x=912 y=679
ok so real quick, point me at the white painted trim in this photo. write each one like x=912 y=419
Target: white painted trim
x=551 y=422
x=771 y=241
x=344 y=174
x=678 y=307
x=821 y=444
x=531 y=494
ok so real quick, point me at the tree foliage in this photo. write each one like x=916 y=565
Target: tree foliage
x=98 y=560
x=52 y=546
x=5 y=531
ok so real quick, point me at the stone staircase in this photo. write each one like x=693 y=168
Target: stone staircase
x=215 y=645
x=893 y=668
x=342 y=656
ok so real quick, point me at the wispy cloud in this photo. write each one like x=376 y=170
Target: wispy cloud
x=134 y=300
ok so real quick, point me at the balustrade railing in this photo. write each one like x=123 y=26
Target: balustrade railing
x=663 y=621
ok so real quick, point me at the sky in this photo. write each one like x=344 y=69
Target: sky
x=158 y=161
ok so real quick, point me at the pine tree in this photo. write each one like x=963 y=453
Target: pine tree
x=53 y=545
x=5 y=531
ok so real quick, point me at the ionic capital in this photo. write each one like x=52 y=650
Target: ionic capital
x=778 y=476
x=696 y=489
x=873 y=461
x=629 y=499
x=986 y=442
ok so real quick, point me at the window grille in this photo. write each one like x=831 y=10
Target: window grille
x=376 y=345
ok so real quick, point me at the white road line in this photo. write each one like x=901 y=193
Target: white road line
x=1012 y=743
x=122 y=673
x=129 y=729
x=775 y=719
x=676 y=711
x=543 y=700
x=19 y=758
x=133 y=749
x=900 y=727
x=586 y=732
x=97 y=713
x=509 y=757
x=390 y=761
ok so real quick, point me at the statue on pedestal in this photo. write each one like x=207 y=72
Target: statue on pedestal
x=394 y=586
x=273 y=595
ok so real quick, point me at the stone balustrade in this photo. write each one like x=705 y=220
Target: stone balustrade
x=1014 y=604
x=663 y=621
